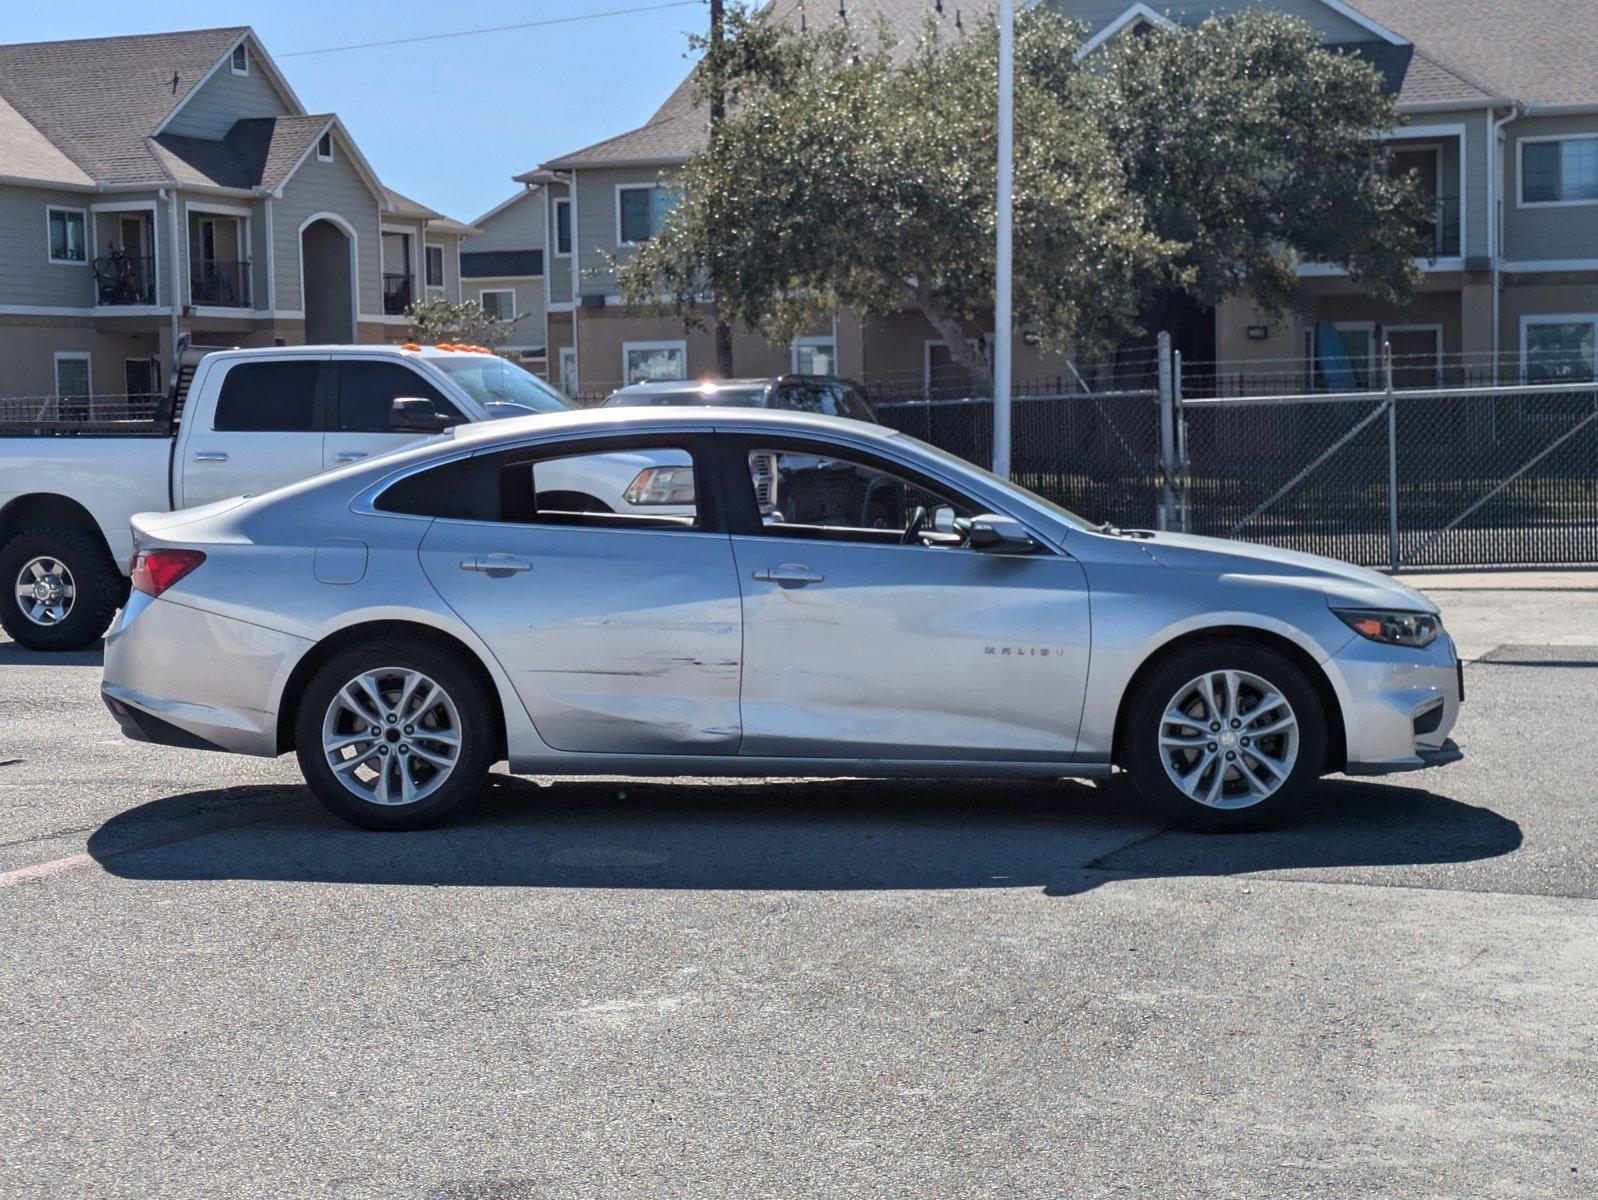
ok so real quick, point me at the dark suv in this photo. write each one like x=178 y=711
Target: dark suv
x=808 y=490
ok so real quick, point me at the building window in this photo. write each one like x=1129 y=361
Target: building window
x=68 y=243
x=1559 y=348
x=1559 y=171
x=241 y=59
x=563 y=227
x=815 y=356
x=435 y=266
x=644 y=362
x=499 y=303
x=324 y=147
x=641 y=212
x=72 y=375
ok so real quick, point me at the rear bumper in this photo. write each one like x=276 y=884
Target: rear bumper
x=1399 y=705
x=181 y=677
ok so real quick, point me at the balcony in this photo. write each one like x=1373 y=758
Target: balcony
x=220 y=284
x=396 y=294
x=1441 y=228
x=121 y=280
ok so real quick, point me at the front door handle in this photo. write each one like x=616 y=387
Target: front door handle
x=349 y=456
x=210 y=456
x=789 y=575
x=496 y=566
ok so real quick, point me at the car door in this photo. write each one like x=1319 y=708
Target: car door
x=264 y=430
x=620 y=631
x=858 y=645
x=361 y=404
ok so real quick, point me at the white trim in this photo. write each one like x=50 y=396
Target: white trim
x=355 y=264
x=62 y=356
x=1527 y=320
x=1552 y=264
x=271 y=256
x=221 y=210
x=1520 y=169
x=99 y=310
x=233 y=57
x=680 y=345
x=632 y=187
x=427 y=247
x=554 y=222
x=325 y=136
x=118 y=206
x=150 y=361
x=257 y=55
x=819 y=340
x=404 y=230
x=49 y=246
x=1138 y=12
x=510 y=291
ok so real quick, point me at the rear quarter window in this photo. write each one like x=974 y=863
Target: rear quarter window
x=268 y=397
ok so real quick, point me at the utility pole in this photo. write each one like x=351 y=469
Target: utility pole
x=1002 y=257
x=718 y=114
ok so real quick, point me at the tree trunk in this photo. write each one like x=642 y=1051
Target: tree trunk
x=978 y=359
x=718 y=114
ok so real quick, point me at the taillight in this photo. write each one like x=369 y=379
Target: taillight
x=156 y=570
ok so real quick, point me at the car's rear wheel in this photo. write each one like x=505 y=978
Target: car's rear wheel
x=61 y=589
x=1226 y=736
x=394 y=735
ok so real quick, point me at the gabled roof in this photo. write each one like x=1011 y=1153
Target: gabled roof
x=98 y=100
x=402 y=205
x=25 y=153
x=258 y=152
x=516 y=198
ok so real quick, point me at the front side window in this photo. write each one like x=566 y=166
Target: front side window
x=268 y=397
x=435 y=266
x=1561 y=349
x=645 y=362
x=1559 y=172
x=642 y=211
x=563 y=227
x=812 y=495
x=499 y=303
x=367 y=391
x=68 y=243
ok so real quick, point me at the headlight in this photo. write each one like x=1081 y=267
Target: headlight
x=661 y=485
x=1394 y=628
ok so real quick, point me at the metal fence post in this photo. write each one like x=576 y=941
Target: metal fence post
x=1392 y=458
x=1182 y=516
x=1167 y=502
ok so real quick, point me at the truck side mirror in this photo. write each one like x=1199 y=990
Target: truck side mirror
x=411 y=414
x=996 y=534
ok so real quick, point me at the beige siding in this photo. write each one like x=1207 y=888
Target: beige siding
x=28 y=346
x=334 y=187
x=451 y=246
x=519 y=227
x=528 y=330
x=1328 y=23
x=557 y=267
x=1563 y=295
x=225 y=98
x=27 y=276
x=596 y=224
x=1538 y=234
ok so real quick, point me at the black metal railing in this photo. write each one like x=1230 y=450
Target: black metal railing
x=1441 y=228
x=222 y=284
x=122 y=279
x=396 y=294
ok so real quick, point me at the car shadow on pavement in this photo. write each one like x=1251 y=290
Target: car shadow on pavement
x=13 y=655
x=1063 y=838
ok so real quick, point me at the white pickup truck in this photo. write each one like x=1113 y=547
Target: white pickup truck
x=247 y=421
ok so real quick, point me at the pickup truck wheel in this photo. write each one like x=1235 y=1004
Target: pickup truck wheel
x=61 y=588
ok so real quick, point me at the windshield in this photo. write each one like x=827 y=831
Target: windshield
x=728 y=397
x=954 y=460
x=492 y=380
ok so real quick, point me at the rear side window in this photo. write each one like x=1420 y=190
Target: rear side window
x=434 y=492
x=268 y=397
x=367 y=391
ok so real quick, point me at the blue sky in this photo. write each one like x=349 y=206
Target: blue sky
x=447 y=122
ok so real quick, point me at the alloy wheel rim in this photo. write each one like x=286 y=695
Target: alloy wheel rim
x=1228 y=739
x=392 y=736
x=45 y=590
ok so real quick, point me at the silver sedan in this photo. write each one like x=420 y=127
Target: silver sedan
x=815 y=597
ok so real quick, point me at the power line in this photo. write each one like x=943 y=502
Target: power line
x=438 y=37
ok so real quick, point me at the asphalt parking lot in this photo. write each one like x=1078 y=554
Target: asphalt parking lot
x=681 y=989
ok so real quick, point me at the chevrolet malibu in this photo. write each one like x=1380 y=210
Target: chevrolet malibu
x=405 y=622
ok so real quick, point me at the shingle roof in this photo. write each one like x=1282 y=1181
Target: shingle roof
x=256 y=152
x=25 y=153
x=1412 y=78
x=404 y=206
x=98 y=100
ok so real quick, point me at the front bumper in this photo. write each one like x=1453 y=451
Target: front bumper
x=1399 y=705
x=181 y=677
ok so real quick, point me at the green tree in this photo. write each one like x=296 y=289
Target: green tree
x=1177 y=166
x=441 y=320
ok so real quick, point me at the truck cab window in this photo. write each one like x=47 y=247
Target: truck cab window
x=268 y=397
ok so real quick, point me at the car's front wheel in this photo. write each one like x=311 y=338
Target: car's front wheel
x=1225 y=736
x=392 y=735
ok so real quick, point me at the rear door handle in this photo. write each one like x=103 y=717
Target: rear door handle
x=496 y=565
x=210 y=456
x=349 y=456
x=789 y=575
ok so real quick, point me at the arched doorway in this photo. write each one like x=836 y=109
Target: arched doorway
x=327 y=272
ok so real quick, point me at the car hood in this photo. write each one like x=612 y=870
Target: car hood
x=1343 y=583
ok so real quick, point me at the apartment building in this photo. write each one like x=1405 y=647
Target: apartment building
x=502 y=268
x=1500 y=123
x=167 y=184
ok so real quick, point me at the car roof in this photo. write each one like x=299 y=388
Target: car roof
x=646 y=420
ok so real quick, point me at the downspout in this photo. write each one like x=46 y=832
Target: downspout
x=576 y=269
x=173 y=289
x=1495 y=175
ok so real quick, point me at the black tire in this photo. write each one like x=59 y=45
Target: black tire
x=98 y=588
x=1141 y=753
x=473 y=709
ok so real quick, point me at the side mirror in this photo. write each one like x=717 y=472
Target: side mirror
x=943 y=519
x=411 y=414
x=994 y=534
